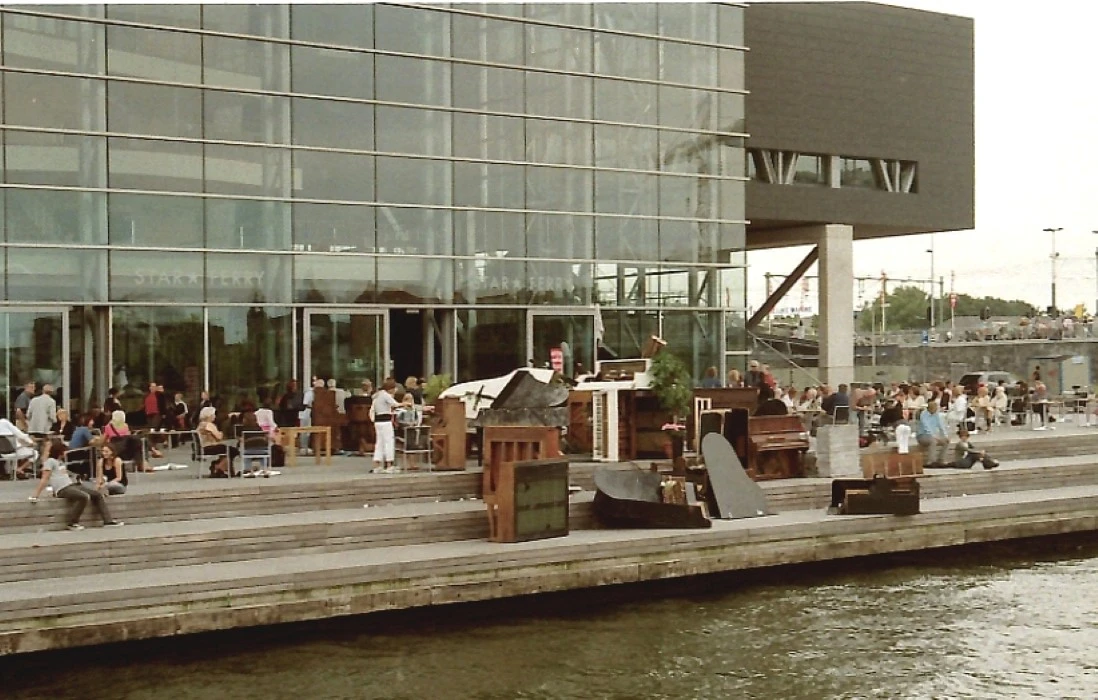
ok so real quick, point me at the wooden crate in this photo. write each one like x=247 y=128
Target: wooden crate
x=531 y=500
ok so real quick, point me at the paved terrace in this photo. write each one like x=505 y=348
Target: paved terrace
x=208 y=554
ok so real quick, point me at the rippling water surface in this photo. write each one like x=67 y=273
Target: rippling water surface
x=1016 y=622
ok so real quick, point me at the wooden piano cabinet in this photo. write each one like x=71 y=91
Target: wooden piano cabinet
x=775 y=447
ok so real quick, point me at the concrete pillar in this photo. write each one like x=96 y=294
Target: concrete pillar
x=836 y=304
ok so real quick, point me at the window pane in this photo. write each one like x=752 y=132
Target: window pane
x=343 y=25
x=498 y=138
x=323 y=123
x=55 y=159
x=628 y=103
x=688 y=63
x=560 y=13
x=626 y=56
x=810 y=170
x=693 y=197
x=626 y=147
x=344 y=176
x=490 y=234
x=686 y=241
x=626 y=239
x=158 y=344
x=47 y=216
x=566 y=143
x=234 y=116
x=696 y=22
x=558 y=189
x=248 y=171
x=333 y=228
x=687 y=109
x=168 y=15
x=53 y=44
x=413 y=131
x=412 y=30
x=75 y=275
x=247 y=224
x=559 y=284
x=150 y=276
x=413 y=231
x=555 y=236
x=330 y=72
x=558 y=48
x=488 y=89
x=138 y=164
x=334 y=279
x=257 y=20
x=154 y=109
x=241 y=63
x=490 y=40
x=857 y=172
x=625 y=193
x=248 y=351
x=47 y=101
x=552 y=95
x=418 y=280
x=148 y=53
x=730 y=68
x=488 y=340
x=488 y=185
x=626 y=17
x=490 y=280
x=247 y=278
x=155 y=220
x=413 y=81
x=404 y=180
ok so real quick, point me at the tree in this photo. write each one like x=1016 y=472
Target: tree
x=906 y=308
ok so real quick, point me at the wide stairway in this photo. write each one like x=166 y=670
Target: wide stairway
x=210 y=554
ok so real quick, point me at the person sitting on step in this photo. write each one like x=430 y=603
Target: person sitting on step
x=965 y=455
x=110 y=474
x=932 y=436
x=56 y=476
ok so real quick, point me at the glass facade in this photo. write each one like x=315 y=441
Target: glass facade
x=200 y=181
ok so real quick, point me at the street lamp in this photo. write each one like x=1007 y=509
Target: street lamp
x=1053 y=258
x=931 y=297
x=1094 y=314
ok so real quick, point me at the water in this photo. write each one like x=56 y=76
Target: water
x=1016 y=621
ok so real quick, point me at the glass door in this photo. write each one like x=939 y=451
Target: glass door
x=346 y=345
x=34 y=347
x=563 y=339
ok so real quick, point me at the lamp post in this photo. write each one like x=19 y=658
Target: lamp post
x=930 y=330
x=1094 y=314
x=1055 y=309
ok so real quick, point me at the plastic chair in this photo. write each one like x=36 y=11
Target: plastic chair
x=198 y=456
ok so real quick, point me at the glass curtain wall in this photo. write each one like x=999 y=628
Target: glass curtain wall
x=487 y=159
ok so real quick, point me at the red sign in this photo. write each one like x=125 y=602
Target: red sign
x=952 y=300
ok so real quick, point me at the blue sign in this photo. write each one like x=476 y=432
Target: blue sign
x=926 y=338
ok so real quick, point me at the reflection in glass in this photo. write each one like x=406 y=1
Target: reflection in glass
x=730 y=25
x=692 y=21
x=413 y=131
x=48 y=216
x=730 y=65
x=155 y=220
x=733 y=286
x=152 y=276
x=47 y=101
x=558 y=189
x=498 y=138
x=556 y=236
x=333 y=124
x=625 y=102
x=342 y=25
x=408 y=231
x=414 y=280
x=246 y=224
x=246 y=64
x=148 y=53
x=332 y=72
x=154 y=109
x=46 y=43
x=810 y=170
x=558 y=48
x=566 y=143
x=334 y=279
x=246 y=170
x=490 y=234
x=857 y=172
x=31 y=348
x=698 y=338
x=626 y=147
x=413 y=181
x=489 y=339
x=626 y=239
x=167 y=166
x=333 y=228
x=232 y=116
x=488 y=185
x=687 y=109
x=488 y=88
x=411 y=30
x=249 y=351
x=54 y=159
x=347 y=347
x=626 y=17
x=689 y=64
x=490 y=279
x=157 y=343
x=554 y=95
x=489 y=40
x=625 y=332
x=76 y=275
x=168 y=15
x=625 y=193
x=256 y=279
x=256 y=20
x=343 y=176
x=559 y=284
x=413 y=81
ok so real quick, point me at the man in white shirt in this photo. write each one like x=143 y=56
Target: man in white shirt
x=42 y=412
x=21 y=444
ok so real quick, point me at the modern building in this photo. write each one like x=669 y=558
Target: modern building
x=227 y=196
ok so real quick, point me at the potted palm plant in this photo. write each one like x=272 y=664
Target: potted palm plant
x=673 y=387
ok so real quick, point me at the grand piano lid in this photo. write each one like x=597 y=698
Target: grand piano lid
x=527 y=387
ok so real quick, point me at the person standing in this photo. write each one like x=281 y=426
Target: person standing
x=41 y=412
x=56 y=475
x=152 y=407
x=383 y=408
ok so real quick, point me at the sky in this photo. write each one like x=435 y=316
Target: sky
x=1036 y=168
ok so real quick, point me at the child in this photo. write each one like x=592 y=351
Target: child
x=965 y=455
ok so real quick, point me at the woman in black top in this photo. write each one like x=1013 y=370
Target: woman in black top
x=110 y=475
x=63 y=426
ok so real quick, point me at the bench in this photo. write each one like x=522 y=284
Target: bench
x=890 y=486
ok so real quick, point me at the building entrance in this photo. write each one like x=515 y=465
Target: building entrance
x=348 y=345
x=34 y=347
